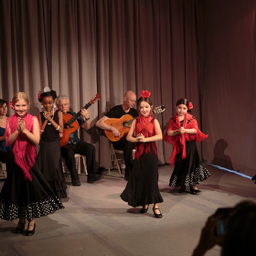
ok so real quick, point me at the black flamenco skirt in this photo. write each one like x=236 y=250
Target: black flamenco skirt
x=49 y=162
x=188 y=172
x=22 y=198
x=142 y=186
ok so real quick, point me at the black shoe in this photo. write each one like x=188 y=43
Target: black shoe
x=194 y=191
x=20 y=230
x=143 y=210
x=101 y=170
x=182 y=190
x=76 y=183
x=157 y=215
x=31 y=232
x=93 y=177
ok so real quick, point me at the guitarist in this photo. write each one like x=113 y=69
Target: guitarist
x=76 y=146
x=122 y=144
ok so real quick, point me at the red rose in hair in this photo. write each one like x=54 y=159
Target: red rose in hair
x=190 y=105
x=145 y=94
x=39 y=95
x=11 y=105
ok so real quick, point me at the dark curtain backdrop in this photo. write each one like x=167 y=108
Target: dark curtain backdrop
x=80 y=47
x=229 y=98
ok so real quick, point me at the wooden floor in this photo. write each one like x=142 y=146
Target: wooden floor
x=96 y=221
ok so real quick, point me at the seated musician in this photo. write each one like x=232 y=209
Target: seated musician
x=76 y=146
x=122 y=144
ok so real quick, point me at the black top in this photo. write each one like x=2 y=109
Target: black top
x=117 y=112
x=50 y=133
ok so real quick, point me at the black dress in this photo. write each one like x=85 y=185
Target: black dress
x=188 y=172
x=49 y=158
x=22 y=198
x=142 y=186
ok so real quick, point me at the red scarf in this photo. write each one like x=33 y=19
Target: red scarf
x=24 y=151
x=146 y=126
x=179 y=141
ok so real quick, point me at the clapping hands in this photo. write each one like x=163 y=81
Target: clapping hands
x=181 y=130
x=47 y=115
x=21 y=125
x=140 y=138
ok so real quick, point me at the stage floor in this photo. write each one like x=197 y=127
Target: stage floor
x=97 y=222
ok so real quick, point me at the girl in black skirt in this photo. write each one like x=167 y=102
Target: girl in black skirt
x=142 y=187
x=183 y=133
x=26 y=194
x=49 y=156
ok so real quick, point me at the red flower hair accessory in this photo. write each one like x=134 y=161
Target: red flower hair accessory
x=190 y=105
x=39 y=95
x=11 y=105
x=145 y=94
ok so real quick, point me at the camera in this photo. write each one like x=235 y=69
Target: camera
x=221 y=224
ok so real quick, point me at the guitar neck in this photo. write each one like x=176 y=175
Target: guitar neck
x=126 y=124
x=74 y=118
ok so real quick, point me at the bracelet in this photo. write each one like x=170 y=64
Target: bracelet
x=58 y=128
x=42 y=130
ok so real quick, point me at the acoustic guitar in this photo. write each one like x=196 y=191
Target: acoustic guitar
x=123 y=123
x=70 y=122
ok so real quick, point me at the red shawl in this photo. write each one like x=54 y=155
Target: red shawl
x=179 y=141
x=146 y=126
x=24 y=151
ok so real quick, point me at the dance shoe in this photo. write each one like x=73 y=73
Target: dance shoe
x=194 y=191
x=31 y=232
x=20 y=229
x=157 y=215
x=182 y=190
x=143 y=210
x=93 y=177
x=76 y=183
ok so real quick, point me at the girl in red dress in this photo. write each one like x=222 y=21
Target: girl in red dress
x=183 y=133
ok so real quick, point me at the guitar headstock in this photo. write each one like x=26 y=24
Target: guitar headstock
x=159 y=109
x=95 y=98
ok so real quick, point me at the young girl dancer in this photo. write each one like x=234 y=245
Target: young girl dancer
x=183 y=133
x=25 y=194
x=49 y=156
x=142 y=187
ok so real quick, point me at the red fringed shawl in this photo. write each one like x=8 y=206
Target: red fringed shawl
x=146 y=126
x=179 y=141
x=24 y=151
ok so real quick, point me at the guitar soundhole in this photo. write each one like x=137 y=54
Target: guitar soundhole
x=125 y=124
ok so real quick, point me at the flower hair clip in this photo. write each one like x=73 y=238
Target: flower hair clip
x=11 y=105
x=190 y=105
x=39 y=95
x=145 y=94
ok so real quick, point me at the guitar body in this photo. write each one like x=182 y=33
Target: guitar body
x=66 y=132
x=118 y=123
x=70 y=121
